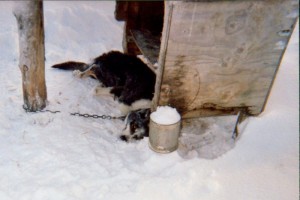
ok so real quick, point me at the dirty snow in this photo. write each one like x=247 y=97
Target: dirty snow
x=58 y=156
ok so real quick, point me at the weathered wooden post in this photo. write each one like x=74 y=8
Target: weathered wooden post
x=29 y=15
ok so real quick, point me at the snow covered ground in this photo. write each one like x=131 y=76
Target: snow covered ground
x=58 y=156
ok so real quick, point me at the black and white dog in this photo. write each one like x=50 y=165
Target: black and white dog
x=125 y=77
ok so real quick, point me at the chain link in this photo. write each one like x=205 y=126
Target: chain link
x=97 y=116
x=38 y=111
x=51 y=111
x=78 y=114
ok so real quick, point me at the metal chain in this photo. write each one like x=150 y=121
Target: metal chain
x=97 y=116
x=51 y=111
x=37 y=111
x=79 y=114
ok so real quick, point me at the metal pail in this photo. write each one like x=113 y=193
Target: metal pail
x=164 y=138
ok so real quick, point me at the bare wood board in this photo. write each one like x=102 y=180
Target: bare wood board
x=148 y=44
x=222 y=56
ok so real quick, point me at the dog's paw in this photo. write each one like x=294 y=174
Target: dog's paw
x=103 y=91
x=77 y=73
x=97 y=90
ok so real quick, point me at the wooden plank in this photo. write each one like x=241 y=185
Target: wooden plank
x=148 y=44
x=121 y=9
x=223 y=56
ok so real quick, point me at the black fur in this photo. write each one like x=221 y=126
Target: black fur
x=72 y=65
x=129 y=77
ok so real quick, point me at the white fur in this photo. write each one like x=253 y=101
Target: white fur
x=103 y=91
x=77 y=73
x=139 y=104
x=125 y=109
x=130 y=138
x=86 y=73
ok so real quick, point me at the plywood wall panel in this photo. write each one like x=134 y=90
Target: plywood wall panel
x=222 y=56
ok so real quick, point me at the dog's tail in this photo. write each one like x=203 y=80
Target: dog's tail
x=71 y=65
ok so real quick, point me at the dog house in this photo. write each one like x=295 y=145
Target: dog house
x=211 y=57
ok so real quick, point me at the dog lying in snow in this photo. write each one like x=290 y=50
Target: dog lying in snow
x=125 y=77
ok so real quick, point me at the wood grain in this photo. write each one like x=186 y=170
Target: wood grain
x=222 y=56
x=32 y=54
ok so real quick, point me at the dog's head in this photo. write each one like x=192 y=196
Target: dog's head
x=136 y=125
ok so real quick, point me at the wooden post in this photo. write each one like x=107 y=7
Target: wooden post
x=29 y=15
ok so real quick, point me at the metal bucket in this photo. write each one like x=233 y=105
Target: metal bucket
x=164 y=138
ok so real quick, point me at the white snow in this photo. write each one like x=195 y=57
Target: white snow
x=58 y=156
x=280 y=45
x=165 y=115
x=207 y=137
